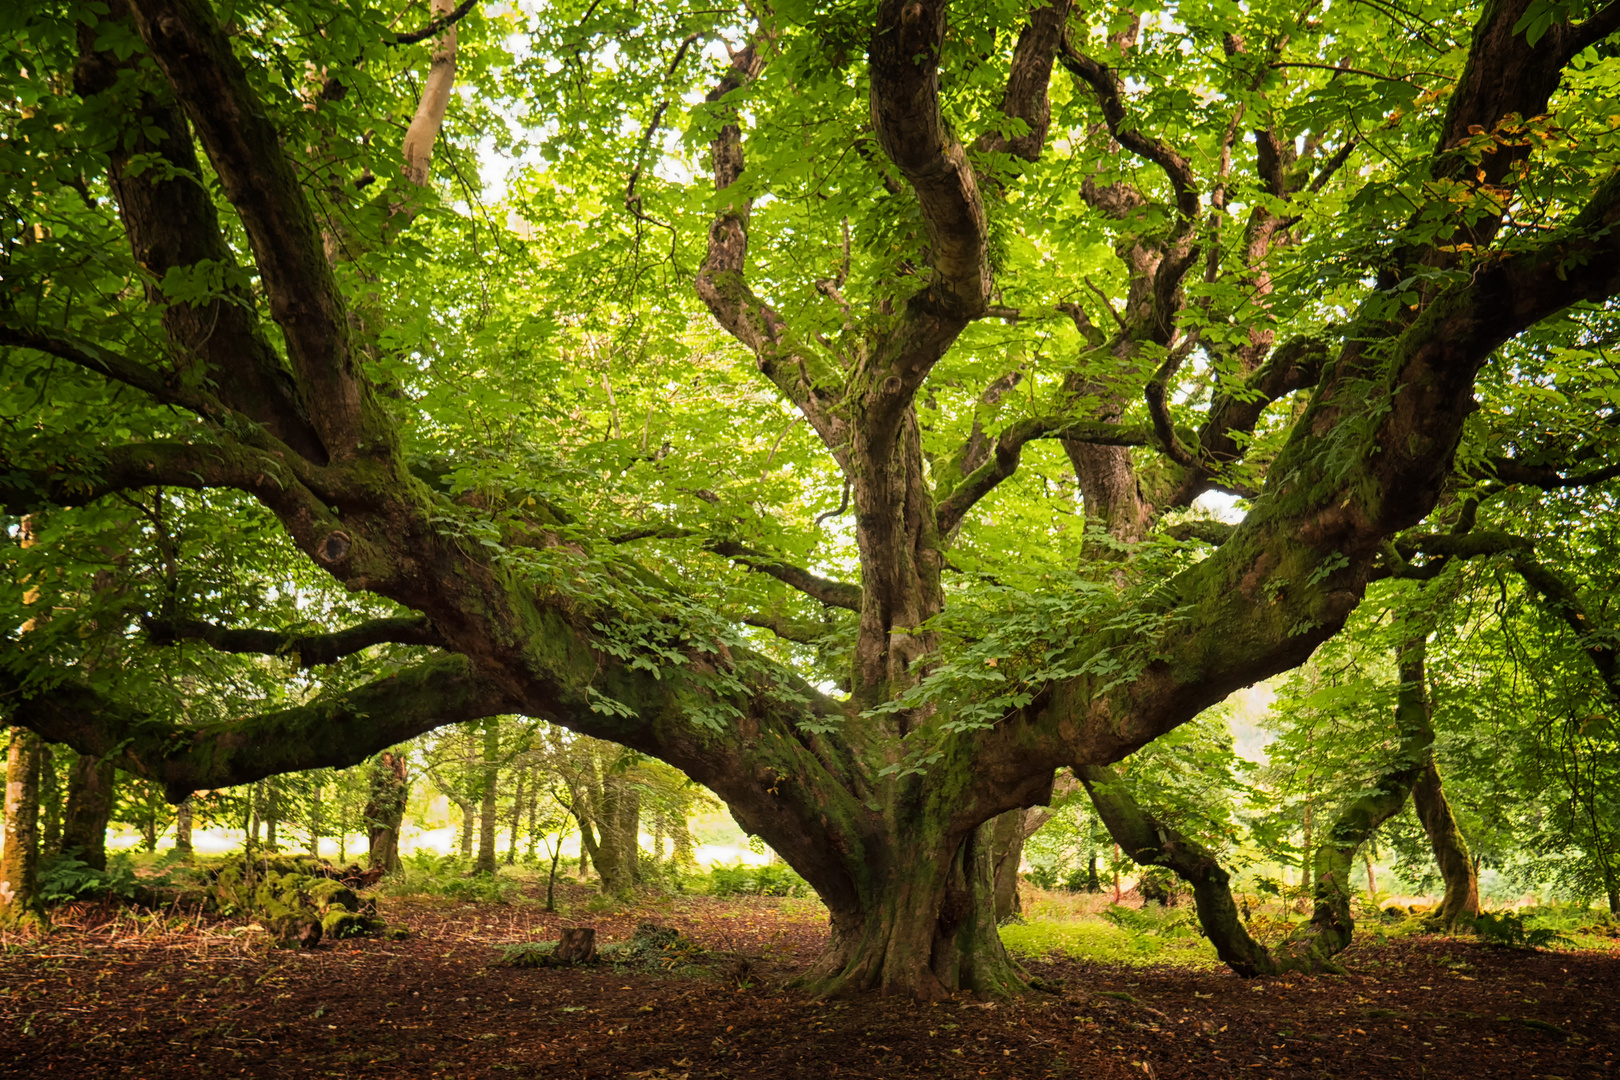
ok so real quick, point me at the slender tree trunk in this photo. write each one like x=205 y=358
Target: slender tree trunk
x=517 y=819
x=534 y=819
x=551 y=879
x=272 y=812
x=487 y=805
x=50 y=803
x=89 y=809
x=1372 y=879
x=1305 y=851
x=1006 y=852
x=19 y=863
x=385 y=810
x=1461 y=899
x=255 y=804
x=315 y=821
x=182 y=829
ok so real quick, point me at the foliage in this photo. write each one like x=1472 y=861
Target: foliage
x=1508 y=929
x=63 y=877
x=741 y=879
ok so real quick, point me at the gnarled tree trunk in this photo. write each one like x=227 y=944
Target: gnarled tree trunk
x=1461 y=899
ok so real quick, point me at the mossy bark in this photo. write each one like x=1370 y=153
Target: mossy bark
x=925 y=926
x=89 y=809
x=20 y=905
x=1451 y=855
x=385 y=810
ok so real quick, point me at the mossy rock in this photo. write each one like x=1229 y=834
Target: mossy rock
x=327 y=894
x=339 y=923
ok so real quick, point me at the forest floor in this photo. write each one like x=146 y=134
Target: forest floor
x=114 y=994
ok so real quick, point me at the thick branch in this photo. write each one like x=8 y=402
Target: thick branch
x=107 y=364
x=424 y=129
x=1105 y=84
x=1561 y=599
x=310 y=649
x=187 y=42
x=803 y=633
x=331 y=732
x=1002 y=461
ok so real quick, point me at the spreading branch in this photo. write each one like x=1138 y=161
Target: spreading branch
x=333 y=731
x=436 y=26
x=188 y=44
x=309 y=649
x=1003 y=458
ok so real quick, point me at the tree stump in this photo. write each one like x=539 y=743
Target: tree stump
x=576 y=945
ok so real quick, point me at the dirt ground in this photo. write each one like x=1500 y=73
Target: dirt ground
x=113 y=996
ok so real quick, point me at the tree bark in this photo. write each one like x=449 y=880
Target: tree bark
x=1461 y=899
x=20 y=904
x=490 y=769
x=182 y=828
x=1007 y=851
x=50 y=803
x=517 y=818
x=385 y=810
x=923 y=925
x=89 y=809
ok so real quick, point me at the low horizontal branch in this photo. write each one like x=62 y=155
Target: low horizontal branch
x=309 y=649
x=333 y=731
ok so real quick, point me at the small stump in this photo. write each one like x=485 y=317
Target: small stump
x=576 y=945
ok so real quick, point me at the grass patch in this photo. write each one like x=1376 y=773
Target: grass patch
x=1088 y=939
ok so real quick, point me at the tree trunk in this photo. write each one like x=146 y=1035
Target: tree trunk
x=182 y=829
x=385 y=810
x=1372 y=879
x=89 y=809
x=1305 y=850
x=922 y=924
x=1461 y=899
x=315 y=821
x=1006 y=852
x=517 y=819
x=487 y=805
x=50 y=803
x=255 y=803
x=19 y=885
x=272 y=812
x=1093 y=883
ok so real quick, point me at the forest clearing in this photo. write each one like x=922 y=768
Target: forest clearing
x=117 y=994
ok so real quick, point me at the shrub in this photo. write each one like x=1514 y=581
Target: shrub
x=741 y=880
x=1507 y=929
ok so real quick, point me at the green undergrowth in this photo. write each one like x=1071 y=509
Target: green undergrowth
x=424 y=873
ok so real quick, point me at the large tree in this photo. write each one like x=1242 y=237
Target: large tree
x=1263 y=250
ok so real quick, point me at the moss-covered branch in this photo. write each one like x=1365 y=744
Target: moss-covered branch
x=334 y=731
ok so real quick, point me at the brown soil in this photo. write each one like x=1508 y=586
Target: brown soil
x=111 y=996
